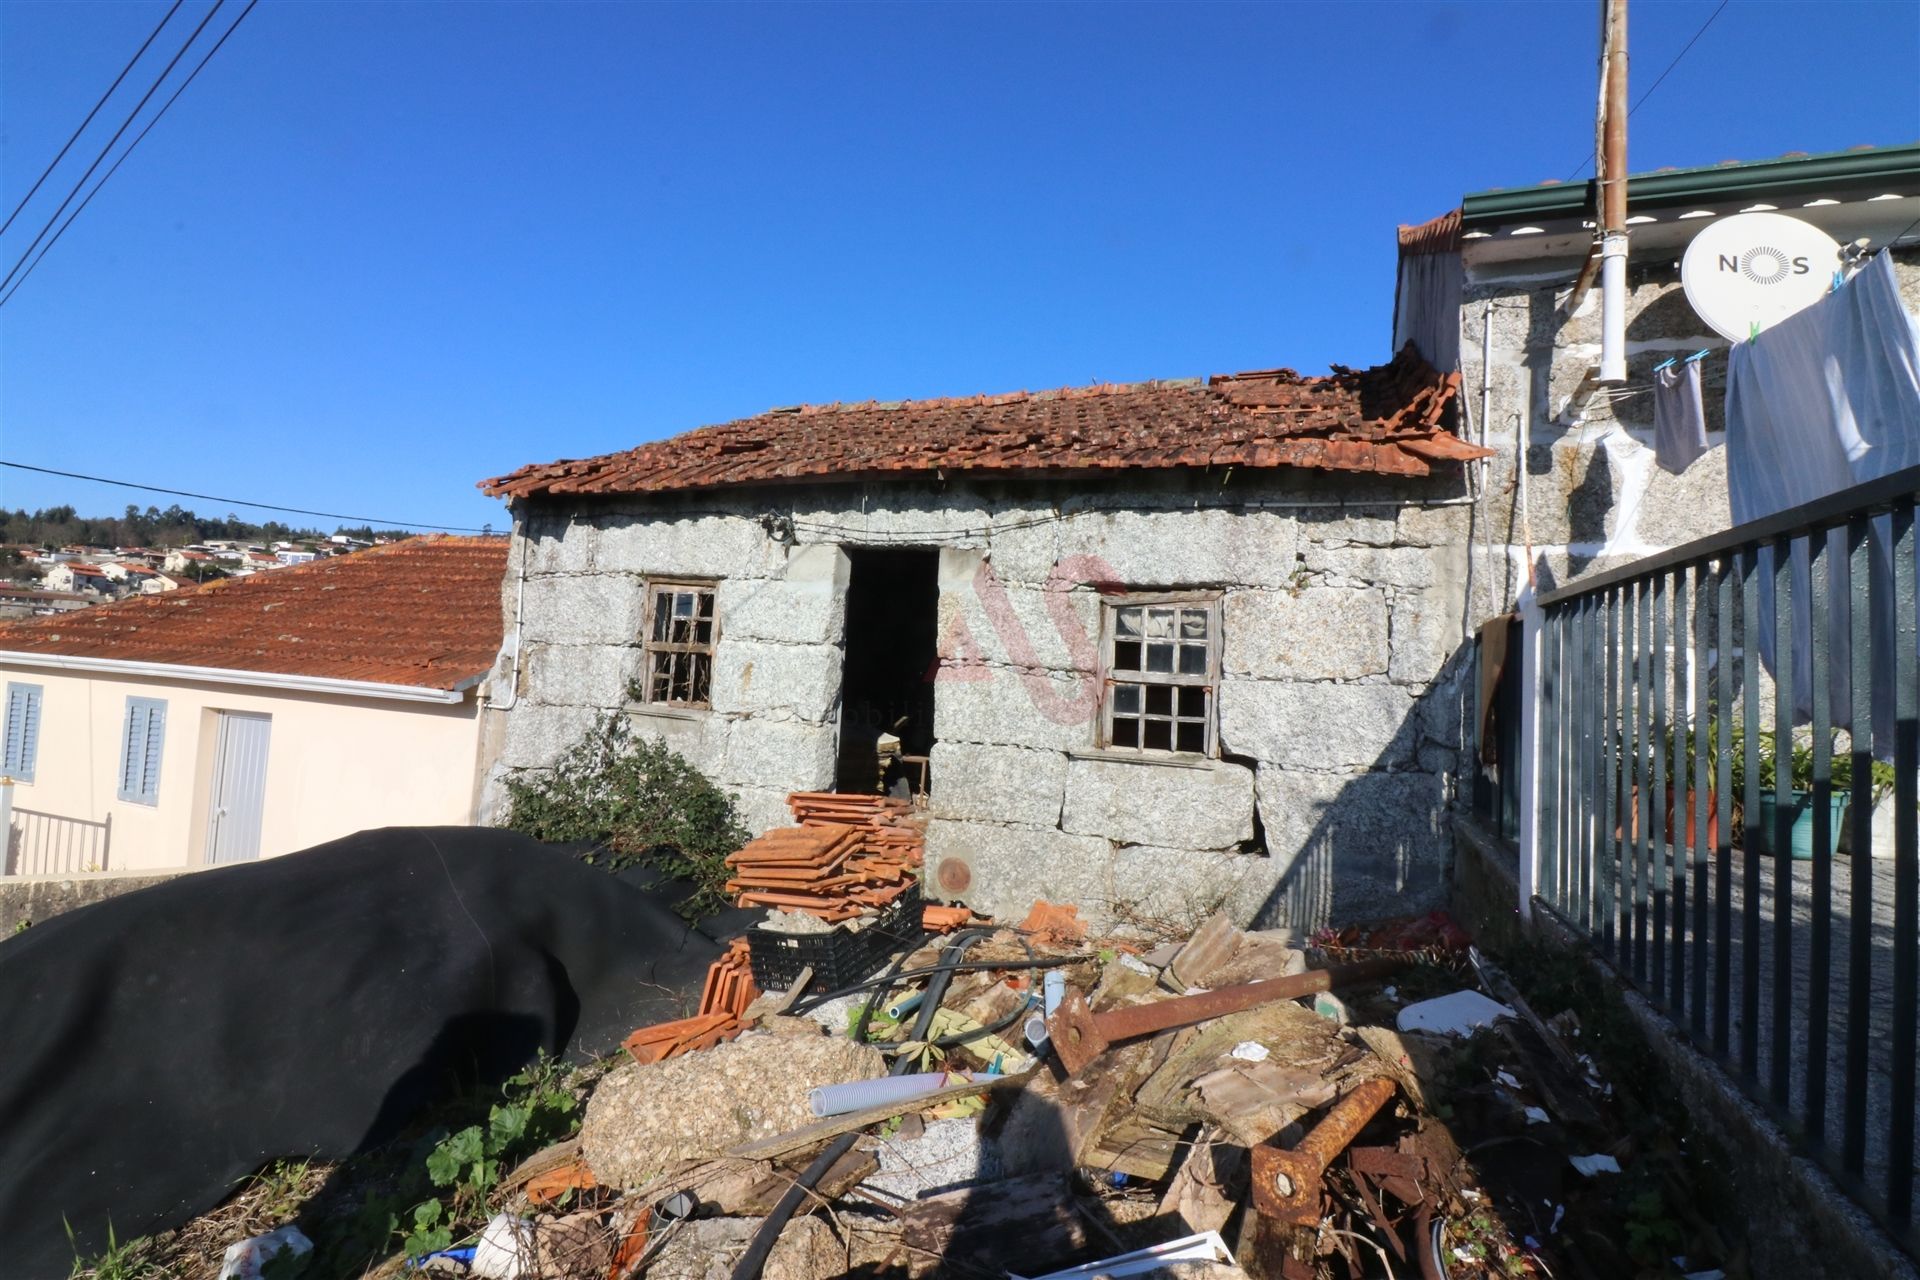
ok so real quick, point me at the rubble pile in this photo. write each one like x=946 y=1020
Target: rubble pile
x=1029 y=1102
x=851 y=856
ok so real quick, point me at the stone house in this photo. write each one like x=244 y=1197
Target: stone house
x=1152 y=648
x=1499 y=273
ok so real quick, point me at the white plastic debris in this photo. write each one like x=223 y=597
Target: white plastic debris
x=1205 y=1247
x=1536 y=1115
x=243 y=1261
x=1590 y=1165
x=505 y=1250
x=1506 y=1078
x=1249 y=1051
x=1459 y=1014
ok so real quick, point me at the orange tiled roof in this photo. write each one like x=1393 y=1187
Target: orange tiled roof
x=1386 y=419
x=423 y=612
x=1435 y=235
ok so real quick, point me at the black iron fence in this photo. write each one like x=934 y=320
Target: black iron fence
x=1725 y=743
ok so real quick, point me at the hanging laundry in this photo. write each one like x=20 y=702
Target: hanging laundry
x=1679 y=416
x=1827 y=399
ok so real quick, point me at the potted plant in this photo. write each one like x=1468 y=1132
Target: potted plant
x=1758 y=835
x=1680 y=777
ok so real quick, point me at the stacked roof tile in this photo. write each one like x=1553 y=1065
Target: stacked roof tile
x=424 y=612
x=1389 y=419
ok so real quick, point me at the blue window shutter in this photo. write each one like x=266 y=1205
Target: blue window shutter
x=22 y=731
x=140 y=748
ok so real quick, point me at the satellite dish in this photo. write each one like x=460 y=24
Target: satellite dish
x=1757 y=269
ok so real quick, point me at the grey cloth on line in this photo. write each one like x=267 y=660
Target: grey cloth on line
x=1827 y=399
x=1679 y=416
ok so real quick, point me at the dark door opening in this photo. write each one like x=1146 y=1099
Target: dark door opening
x=893 y=601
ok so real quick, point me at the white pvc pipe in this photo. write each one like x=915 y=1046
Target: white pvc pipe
x=839 y=1099
x=1613 y=307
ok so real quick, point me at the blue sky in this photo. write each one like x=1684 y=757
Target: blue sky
x=378 y=252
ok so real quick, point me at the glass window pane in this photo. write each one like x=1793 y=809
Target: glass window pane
x=1158 y=735
x=1192 y=737
x=1193 y=701
x=662 y=612
x=1160 y=657
x=1126 y=733
x=1159 y=623
x=1193 y=624
x=683 y=604
x=1193 y=659
x=1126 y=622
x=1159 y=700
x=1126 y=655
x=1126 y=699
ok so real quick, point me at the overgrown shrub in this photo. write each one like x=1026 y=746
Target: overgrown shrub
x=642 y=802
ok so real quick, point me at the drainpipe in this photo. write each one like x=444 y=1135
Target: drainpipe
x=510 y=644
x=1613 y=202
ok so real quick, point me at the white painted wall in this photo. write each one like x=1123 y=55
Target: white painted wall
x=335 y=765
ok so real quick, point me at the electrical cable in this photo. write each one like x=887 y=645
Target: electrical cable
x=971 y=966
x=240 y=502
x=55 y=162
x=115 y=167
x=1657 y=82
x=124 y=126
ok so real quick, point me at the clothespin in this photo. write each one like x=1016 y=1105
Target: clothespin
x=1670 y=360
x=1753 y=330
x=1839 y=278
x=1701 y=354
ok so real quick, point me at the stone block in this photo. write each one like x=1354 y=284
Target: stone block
x=1349 y=847
x=1044 y=710
x=1025 y=546
x=593 y=608
x=984 y=619
x=555 y=545
x=1433 y=526
x=700 y=736
x=1318 y=724
x=779 y=755
x=1371 y=566
x=1573 y=491
x=708 y=546
x=1341 y=526
x=1179 y=548
x=580 y=675
x=1012 y=867
x=781 y=611
x=1319 y=633
x=537 y=736
x=1176 y=887
x=1677 y=509
x=751 y=678
x=1154 y=802
x=1426 y=631
x=998 y=784
x=760 y=809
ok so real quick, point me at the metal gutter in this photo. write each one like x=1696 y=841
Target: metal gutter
x=224 y=675
x=1835 y=174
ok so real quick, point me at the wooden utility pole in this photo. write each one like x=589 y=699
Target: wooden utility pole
x=1613 y=196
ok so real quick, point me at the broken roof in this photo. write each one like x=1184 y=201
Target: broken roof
x=424 y=612
x=1387 y=419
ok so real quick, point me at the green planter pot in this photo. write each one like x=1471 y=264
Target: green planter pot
x=1760 y=833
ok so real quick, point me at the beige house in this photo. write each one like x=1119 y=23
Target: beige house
x=250 y=718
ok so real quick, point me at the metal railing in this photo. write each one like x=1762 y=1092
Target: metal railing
x=1663 y=694
x=46 y=844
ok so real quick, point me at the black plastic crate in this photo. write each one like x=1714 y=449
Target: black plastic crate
x=840 y=958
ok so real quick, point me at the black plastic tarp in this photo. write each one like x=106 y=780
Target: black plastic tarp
x=157 y=1048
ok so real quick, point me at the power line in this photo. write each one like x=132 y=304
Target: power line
x=1657 y=82
x=125 y=125
x=239 y=502
x=114 y=168
x=48 y=171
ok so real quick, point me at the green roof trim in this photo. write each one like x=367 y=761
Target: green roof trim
x=1837 y=174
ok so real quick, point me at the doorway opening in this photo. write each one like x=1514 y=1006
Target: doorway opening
x=893 y=601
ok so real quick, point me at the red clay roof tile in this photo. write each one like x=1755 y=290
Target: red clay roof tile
x=423 y=612
x=1350 y=420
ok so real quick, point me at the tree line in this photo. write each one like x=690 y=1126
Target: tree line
x=152 y=527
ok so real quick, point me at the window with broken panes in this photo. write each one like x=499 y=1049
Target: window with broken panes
x=679 y=643
x=1163 y=662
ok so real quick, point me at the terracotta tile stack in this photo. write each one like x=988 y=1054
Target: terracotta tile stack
x=850 y=855
x=728 y=992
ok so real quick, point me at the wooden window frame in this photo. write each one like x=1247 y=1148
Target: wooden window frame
x=1110 y=607
x=650 y=646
